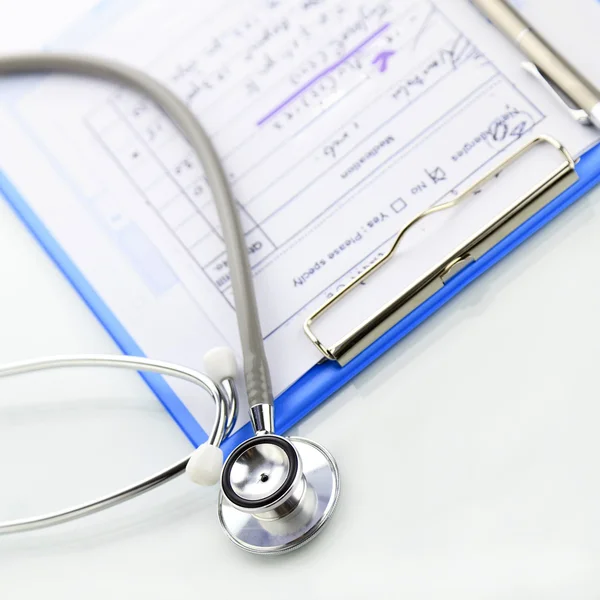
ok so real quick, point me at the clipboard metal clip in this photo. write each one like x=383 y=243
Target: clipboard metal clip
x=359 y=338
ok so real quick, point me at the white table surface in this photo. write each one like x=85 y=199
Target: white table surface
x=469 y=453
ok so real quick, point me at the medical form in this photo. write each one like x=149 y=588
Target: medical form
x=337 y=121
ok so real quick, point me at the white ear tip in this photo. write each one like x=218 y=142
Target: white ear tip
x=204 y=466
x=220 y=364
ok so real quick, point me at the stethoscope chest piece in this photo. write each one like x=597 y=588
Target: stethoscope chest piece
x=277 y=493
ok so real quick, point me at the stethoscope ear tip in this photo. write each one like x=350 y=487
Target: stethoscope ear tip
x=204 y=466
x=220 y=364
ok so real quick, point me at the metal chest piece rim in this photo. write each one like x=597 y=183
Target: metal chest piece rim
x=277 y=493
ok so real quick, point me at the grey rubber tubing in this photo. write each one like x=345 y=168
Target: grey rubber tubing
x=256 y=371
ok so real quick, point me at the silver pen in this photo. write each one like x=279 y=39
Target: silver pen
x=561 y=79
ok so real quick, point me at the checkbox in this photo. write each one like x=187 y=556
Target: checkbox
x=398 y=205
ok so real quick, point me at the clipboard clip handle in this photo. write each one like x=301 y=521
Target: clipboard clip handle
x=359 y=338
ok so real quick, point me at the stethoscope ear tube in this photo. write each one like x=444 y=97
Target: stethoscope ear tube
x=215 y=437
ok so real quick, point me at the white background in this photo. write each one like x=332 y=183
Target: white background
x=469 y=453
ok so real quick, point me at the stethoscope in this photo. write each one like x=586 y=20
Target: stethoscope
x=277 y=493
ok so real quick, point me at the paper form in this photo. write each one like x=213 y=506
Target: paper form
x=337 y=122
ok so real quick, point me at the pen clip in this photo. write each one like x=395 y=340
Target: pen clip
x=577 y=113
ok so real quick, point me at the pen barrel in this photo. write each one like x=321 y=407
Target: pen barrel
x=503 y=17
x=564 y=76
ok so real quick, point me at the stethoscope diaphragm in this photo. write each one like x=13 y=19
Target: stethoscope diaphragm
x=277 y=493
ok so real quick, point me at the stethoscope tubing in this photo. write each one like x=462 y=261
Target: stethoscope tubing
x=256 y=372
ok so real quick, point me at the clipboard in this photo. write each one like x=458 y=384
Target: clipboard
x=359 y=348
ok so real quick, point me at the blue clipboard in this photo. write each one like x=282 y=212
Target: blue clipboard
x=323 y=380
